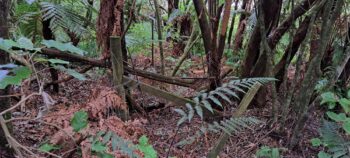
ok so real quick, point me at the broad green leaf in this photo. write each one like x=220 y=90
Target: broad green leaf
x=9 y=66
x=98 y=147
x=316 y=142
x=48 y=147
x=336 y=117
x=345 y=103
x=106 y=155
x=275 y=153
x=3 y=74
x=58 y=61
x=71 y=72
x=143 y=140
x=25 y=43
x=79 y=120
x=328 y=97
x=322 y=154
x=146 y=148
x=346 y=127
x=63 y=46
x=6 y=44
x=20 y=73
x=348 y=94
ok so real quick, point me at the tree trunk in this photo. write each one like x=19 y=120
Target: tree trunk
x=271 y=10
x=232 y=26
x=241 y=27
x=159 y=31
x=292 y=49
x=4 y=59
x=330 y=14
x=48 y=35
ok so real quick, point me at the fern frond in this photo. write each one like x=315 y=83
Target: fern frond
x=222 y=94
x=336 y=144
x=230 y=126
x=63 y=17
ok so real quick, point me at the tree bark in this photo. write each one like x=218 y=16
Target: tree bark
x=292 y=48
x=4 y=59
x=159 y=31
x=232 y=26
x=241 y=27
x=299 y=10
x=330 y=14
x=48 y=35
x=271 y=9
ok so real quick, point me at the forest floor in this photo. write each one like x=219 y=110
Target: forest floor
x=161 y=129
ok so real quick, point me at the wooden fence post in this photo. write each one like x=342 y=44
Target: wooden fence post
x=118 y=72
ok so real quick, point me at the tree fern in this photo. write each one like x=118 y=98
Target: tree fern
x=217 y=97
x=63 y=17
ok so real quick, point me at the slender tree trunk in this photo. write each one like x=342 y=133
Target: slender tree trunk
x=241 y=27
x=232 y=26
x=159 y=31
x=48 y=35
x=204 y=25
x=4 y=59
x=292 y=48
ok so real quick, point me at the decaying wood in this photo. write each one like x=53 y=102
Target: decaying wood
x=131 y=83
x=118 y=72
x=104 y=64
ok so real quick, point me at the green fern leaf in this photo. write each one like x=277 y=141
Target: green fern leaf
x=190 y=112
x=223 y=96
x=207 y=105
x=216 y=101
x=228 y=91
x=199 y=111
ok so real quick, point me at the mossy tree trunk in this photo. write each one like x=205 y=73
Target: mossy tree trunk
x=330 y=13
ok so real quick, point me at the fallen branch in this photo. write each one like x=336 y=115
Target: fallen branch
x=104 y=64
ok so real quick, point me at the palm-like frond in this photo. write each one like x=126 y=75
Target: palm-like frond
x=63 y=17
x=218 y=96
